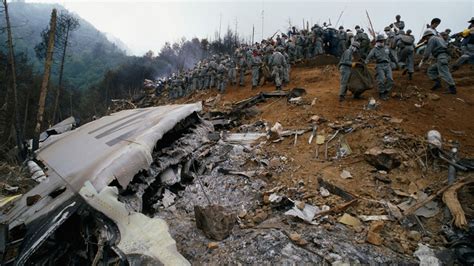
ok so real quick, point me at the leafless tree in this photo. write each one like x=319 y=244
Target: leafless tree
x=66 y=25
x=11 y=61
x=47 y=71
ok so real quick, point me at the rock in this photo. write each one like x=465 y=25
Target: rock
x=300 y=205
x=348 y=219
x=275 y=131
x=242 y=214
x=214 y=221
x=383 y=159
x=315 y=118
x=433 y=96
x=328 y=227
x=396 y=120
x=295 y=237
x=171 y=176
x=373 y=235
x=266 y=199
x=213 y=245
x=346 y=174
x=260 y=216
x=324 y=192
x=383 y=178
x=374 y=238
x=376 y=226
x=274 y=162
x=414 y=235
x=426 y=239
x=168 y=198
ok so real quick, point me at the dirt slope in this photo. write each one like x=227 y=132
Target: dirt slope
x=412 y=111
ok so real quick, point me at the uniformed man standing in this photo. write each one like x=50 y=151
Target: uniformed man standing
x=241 y=67
x=318 y=42
x=278 y=64
x=342 y=40
x=212 y=71
x=345 y=65
x=256 y=63
x=382 y=57
x=363 y=39
x=405 y=42
x=398 y=24
x=230 y=65
x=390 y=43
x=286 y=75
x=438 y=49
x=221 y=76
x=292 y=51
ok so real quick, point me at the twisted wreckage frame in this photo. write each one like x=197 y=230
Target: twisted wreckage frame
x=85 y=171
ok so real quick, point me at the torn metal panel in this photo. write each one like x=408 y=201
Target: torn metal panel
x=66 y=125
x=45 y=226
x=243 y=138
x=115 y=146
x=139 y=234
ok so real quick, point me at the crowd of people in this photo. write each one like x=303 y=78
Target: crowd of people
x=270 y=60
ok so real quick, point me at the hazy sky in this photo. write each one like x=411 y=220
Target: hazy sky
x=147 y=25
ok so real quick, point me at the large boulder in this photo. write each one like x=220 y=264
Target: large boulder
x=383 y=159
x=214 y=221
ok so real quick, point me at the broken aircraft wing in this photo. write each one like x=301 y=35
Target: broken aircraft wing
x=80 y=164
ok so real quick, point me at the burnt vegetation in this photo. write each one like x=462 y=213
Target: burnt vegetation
x=87 y=71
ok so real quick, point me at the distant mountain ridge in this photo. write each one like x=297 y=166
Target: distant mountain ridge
x=90 y=55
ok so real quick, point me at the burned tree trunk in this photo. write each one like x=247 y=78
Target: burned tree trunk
x=67 y=24
x=11 y=60
x=44 y=84
x=61 y=69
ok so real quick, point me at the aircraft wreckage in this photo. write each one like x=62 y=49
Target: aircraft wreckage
x=77 y=206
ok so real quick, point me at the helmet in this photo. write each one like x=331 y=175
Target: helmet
x=397 y=16
x=356 y=44
x=408 y=32
x=428 y=32
x=341 y=27
x=357 y=27
x=386 y=28
x=380 y=38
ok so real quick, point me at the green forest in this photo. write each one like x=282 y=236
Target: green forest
x=87 y=71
